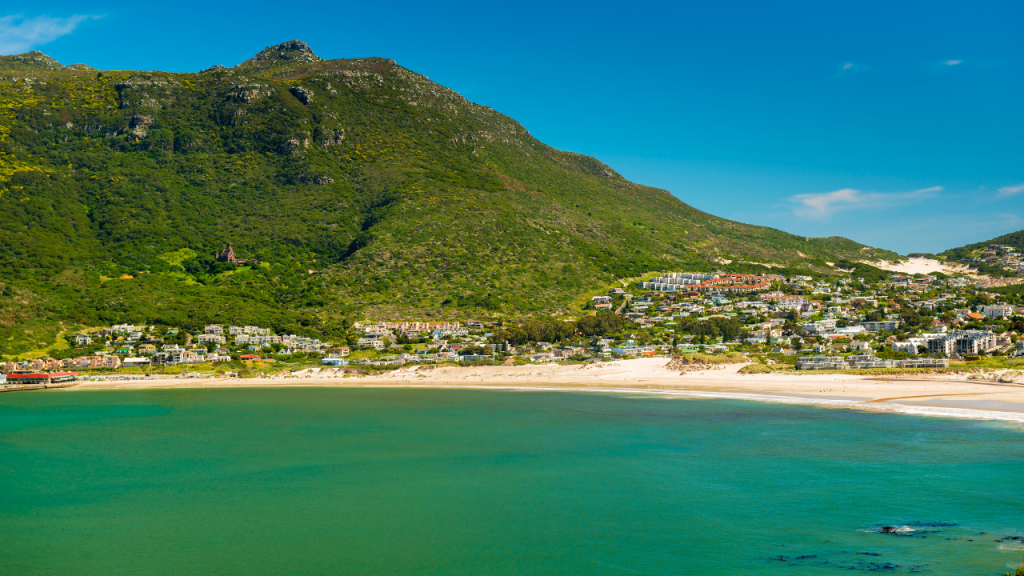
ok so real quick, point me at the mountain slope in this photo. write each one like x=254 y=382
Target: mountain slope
x=965 y=253
x=994 y=262
x=365 y=188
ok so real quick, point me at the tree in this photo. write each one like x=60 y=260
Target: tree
x=600 y=324
x=1017 y=324
x=910 y=317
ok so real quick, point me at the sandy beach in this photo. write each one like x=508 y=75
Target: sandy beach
x=934 y=395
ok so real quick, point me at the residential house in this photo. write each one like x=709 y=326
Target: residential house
x=375 y=340
x=907 y=347
x=821 y=362
x=867 y=360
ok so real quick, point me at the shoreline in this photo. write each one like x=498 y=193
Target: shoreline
x=947 y=395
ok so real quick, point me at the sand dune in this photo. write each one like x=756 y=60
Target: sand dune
x=921 y=266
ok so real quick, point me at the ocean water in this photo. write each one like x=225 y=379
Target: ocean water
x=390 y=481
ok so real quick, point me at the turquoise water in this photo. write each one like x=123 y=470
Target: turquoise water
x=339 y=481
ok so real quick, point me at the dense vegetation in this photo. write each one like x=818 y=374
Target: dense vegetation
x=363 y=188
x=870 y=274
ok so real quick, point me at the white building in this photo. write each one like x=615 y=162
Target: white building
x=881 y=326
x=908 y=347
x=998 y=311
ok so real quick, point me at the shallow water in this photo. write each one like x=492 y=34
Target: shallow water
x=343 y=481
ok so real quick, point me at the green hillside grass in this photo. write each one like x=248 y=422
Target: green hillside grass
x=365 y=188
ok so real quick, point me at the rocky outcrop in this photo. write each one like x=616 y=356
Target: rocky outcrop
x=140 y=121
x=137 y=135
x=294 y=46
x=213 y=68
x=34 y=60
x=304 y=95
x=295 y=146
x=293 y=51
x=249 y=93
x=897 y=530
x=149 y=91
x=137 y=127
x=334 y=138
x=318 y=179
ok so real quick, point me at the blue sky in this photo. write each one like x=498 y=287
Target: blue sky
x=896 y=124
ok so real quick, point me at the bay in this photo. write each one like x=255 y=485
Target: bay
x=415 y=481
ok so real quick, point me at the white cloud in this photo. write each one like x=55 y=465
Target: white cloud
x=20 y=34
x=851 y=68
x=952 y=62
x=847 y=68
x=1010 y=191
x=822 y=206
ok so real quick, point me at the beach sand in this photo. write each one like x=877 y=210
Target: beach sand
x=935 y=395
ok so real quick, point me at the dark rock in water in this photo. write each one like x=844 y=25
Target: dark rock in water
x=869 y=553
x=903 y=531
x=807 y=557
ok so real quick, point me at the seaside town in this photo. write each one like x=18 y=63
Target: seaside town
x=901 y=321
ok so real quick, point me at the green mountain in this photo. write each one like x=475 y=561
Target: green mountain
x=966 y=253
x=361 y=187
x=987 y=261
